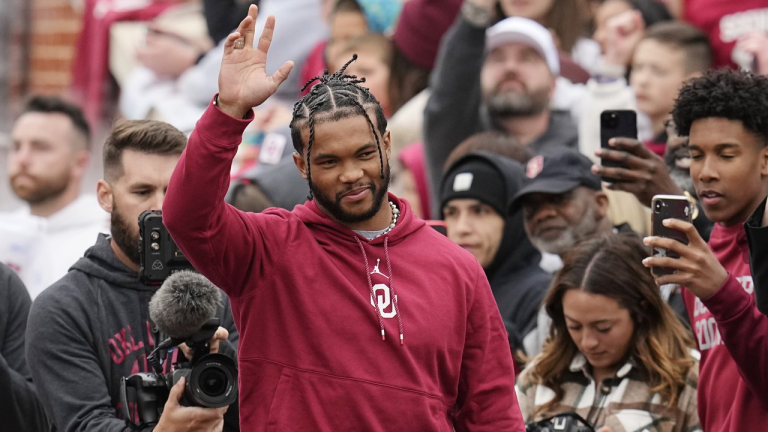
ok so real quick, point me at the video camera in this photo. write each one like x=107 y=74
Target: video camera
x=159 y=254
x=565 y=422
x=211 y=379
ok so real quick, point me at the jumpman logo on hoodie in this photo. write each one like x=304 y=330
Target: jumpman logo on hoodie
x=384 y=298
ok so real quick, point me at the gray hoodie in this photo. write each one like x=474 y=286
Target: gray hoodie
x=90 y=329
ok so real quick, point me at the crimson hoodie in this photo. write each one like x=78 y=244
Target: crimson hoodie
x=302 y=289
x=732 y=336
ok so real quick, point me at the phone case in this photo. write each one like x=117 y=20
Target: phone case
x=668 y=207
x=616 y=124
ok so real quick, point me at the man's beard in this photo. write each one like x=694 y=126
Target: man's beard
x=126 y=238
x=586 y=227
x=334 y=207
x=514 y=103
x=43 y=189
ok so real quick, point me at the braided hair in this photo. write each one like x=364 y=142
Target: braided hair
x=336 y=96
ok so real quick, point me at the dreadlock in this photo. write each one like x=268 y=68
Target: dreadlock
x=339 y=96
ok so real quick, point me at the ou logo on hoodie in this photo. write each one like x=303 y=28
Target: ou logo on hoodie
x=384 y=299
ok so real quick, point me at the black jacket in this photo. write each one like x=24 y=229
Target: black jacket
x=20 y=408
x=757 y=237
x=517 y=281
x=89 y=330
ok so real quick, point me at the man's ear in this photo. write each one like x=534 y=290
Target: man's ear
x=387 y=144
x=300 y=163
x=764 y=161
x=81 y=160
x=601 y=199
x=105 y=195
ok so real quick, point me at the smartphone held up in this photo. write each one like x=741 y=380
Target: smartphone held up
x=669 y=207
x=616 y=124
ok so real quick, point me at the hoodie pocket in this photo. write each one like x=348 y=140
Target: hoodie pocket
x=278 y=402
x=309 y=401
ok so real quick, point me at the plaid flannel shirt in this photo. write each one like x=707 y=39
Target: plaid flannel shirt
x=624 y=403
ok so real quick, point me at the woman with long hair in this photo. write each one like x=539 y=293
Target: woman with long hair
x=617 y=355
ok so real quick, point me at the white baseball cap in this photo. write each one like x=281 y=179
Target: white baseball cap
x=527 y=32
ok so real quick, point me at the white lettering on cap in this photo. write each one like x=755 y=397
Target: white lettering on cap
x=463 y=181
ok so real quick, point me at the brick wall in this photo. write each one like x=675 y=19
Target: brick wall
x=54 y=31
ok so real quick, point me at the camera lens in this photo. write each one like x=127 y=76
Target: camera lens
x=213 y=382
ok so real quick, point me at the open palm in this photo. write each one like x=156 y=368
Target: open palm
x=243 y=79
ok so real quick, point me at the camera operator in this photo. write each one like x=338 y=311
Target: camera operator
x=21 y=409
x=92 y=327
x=616 y=355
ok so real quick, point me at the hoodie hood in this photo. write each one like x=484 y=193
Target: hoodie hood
x=101 y=262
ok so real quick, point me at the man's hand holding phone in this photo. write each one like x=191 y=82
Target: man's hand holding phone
x=637 y=170
x=697 y=269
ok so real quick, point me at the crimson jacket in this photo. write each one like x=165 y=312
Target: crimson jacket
x=303 y=290
x=732 y=336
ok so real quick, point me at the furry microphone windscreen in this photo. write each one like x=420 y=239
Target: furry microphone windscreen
x=184 y=302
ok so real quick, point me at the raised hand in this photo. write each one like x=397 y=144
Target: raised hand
x=645 y=174
x=697 y=268
x=624 y=33
x=243 y=79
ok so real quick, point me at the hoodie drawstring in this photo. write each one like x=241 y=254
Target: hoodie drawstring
x=391 y=287
x=370 y=287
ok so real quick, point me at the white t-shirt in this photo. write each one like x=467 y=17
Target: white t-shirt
x=41 y=250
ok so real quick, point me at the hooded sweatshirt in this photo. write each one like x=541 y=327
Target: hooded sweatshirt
x=517 y=281
x=339 y=333
x=90 y=329
x=41 y=250
x=732 y=336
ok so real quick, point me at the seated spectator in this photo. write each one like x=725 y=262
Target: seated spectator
x=91 y=328
x=22 y=410
x=181 y=102
x=374 y=56
x=509 y=89
x=416 y=40
x=563 y=202
x=347 y=20
x=726 y=123
x=569 y=23
x=475 y=196
x=169 y=54
x=615 y=18
x=616 y=354
x=666 y=56
x=48 y=159
x=726 y=22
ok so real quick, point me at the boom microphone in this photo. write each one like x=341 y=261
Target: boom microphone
x=185 y=301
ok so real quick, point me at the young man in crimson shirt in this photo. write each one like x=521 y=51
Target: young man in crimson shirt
x=725 y=115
